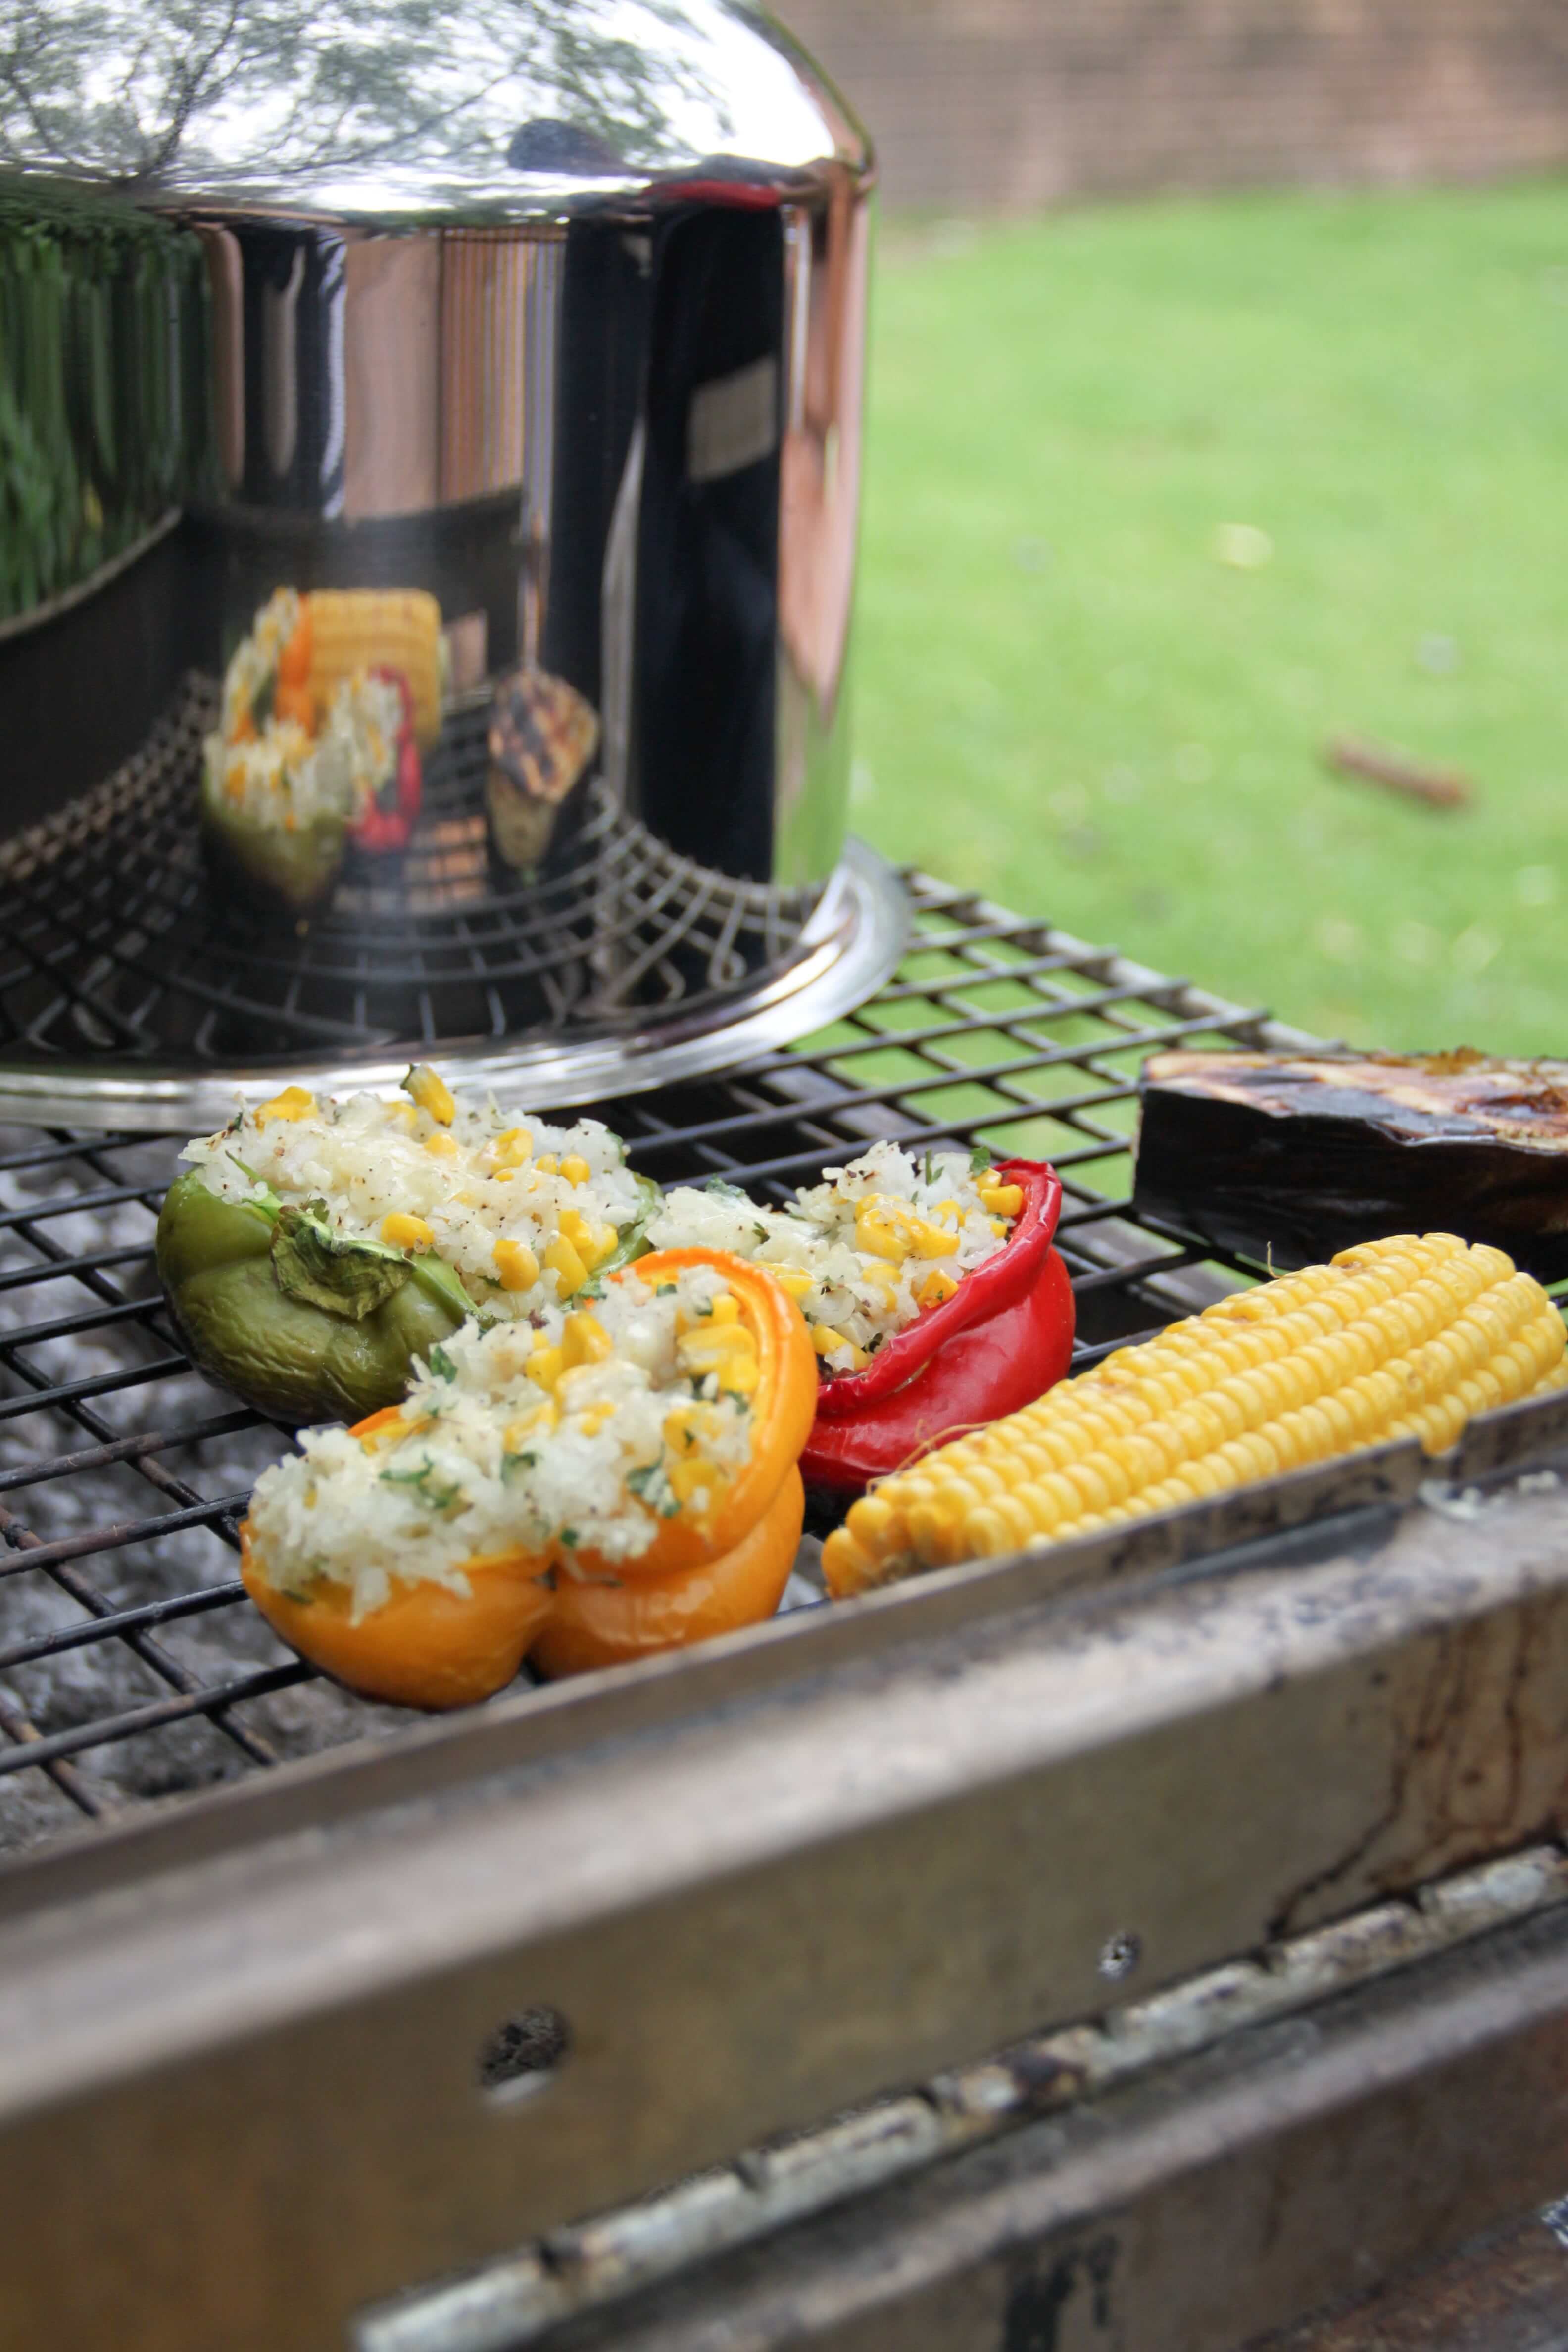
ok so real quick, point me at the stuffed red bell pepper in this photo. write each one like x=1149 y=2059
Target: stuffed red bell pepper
x=933 y=1295
x=391 y=808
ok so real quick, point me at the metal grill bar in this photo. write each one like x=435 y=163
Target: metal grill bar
x=996 y=1028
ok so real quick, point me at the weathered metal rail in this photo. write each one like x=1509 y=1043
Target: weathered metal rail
x=826 y=1863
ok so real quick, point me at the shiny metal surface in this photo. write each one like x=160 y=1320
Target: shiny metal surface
x=850 y=946
x=552 y=308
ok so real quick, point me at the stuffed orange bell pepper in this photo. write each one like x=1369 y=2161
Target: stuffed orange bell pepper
x=618 y=1479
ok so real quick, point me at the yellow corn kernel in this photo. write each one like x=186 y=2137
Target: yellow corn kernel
x=1408 y=1335
x=998 y=1226
x=547 y=1164
x=726 y=1308
x=982 y=1177
x=592 y=1417
x=593 y=1242
x=936 y=1286
x=688 y=1476
x=567 y=1265
x=441 y=1146
x=585 y=1342
x=294 y=1102
x=516 y=1265
x=406 y=1115
x=827 y=1342
x=544 y=1366
x=878 y=1236
x=537 y=1423
x=512 y=1147
x=727 y=1349
x=793 y=1280
x=575 y=1169
x=426 y=1086
x=374 y=628
x=681 y=1424
x=1003 y=1199
x=405 y=1232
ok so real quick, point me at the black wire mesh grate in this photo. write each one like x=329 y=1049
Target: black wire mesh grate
x=132 y=1665
x=112 y=941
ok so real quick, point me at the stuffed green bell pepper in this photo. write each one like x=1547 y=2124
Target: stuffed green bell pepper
x=314 y=1249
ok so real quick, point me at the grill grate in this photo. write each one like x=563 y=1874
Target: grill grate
x=112 y=939
x=130 y=1663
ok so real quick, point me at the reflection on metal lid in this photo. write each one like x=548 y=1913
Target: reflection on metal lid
x=484 y=109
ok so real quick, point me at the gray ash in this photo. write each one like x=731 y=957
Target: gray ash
x=102 y=1322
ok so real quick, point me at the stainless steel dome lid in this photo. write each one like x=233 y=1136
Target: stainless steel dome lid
x=553 y=314
x=408 y=112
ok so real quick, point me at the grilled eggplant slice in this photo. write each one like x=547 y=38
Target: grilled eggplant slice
x=1290 y=1158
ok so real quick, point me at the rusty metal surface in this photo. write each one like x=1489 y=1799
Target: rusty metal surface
x=1194 y=2210
x=526 y=2297
x=815 y=1864
x=1508 y=2293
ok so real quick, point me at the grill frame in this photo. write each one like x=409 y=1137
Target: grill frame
x=947 y=1807
x=1048 y=1009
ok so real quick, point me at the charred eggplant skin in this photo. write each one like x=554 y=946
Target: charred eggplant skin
x=1286 y=1159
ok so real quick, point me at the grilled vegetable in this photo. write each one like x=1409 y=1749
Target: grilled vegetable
x=1405 y=1336
x=1291 y=1158
x=613 y=1483
x=984 y=1345
x=390 y=810
x=296 y=1322
x=392 y=629
x=294 y=864
x=314 y=1309
x=597 y=1623
x=930 y=1285
x=542 y=734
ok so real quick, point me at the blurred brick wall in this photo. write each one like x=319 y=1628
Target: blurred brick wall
x=1018 y=102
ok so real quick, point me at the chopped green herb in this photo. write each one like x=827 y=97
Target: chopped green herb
x=927 y=1164
x=979 y=1158
x=664 y=1290
x=437 y=1499
x=722 y=1190
x=569 y=1538
x=441 y=1363
x=511 y=1461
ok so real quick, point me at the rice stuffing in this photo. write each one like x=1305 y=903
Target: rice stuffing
x=266 y=763
x=579 y=1433
x=524 y=1214
x=866 y=1251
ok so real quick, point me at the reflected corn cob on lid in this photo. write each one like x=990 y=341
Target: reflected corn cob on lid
x=527 y=1215
x=866 y=1251
x=1406 y=1336
x=311 y=717
x=583 y=1430
x=355 y=629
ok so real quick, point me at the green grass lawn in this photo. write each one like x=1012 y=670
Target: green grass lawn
x=1067 y=698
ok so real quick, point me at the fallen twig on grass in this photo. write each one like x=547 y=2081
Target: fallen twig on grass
x=1438 y=787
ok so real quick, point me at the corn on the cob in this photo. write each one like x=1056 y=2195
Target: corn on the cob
x=1400 y=1338
x=371 y=628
